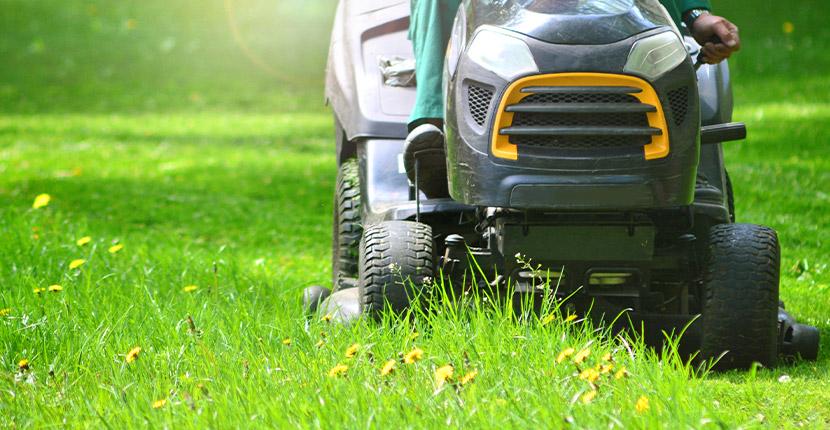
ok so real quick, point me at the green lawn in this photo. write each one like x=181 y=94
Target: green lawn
x=150 y=128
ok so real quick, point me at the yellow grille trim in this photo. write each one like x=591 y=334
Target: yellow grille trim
x=501 y=146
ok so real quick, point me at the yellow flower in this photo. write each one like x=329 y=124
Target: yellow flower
x=286 y=341
x=190 y=288
x=589 y=396
x=83 y=241
x=443 y=373
x=320 y=343
x=622 y=372
x=55 y=288
x=570 y=318
x=76 y=263
x=41 y=201
x=23 y=364
x=413 y=356
x=582 y=355
x=115 y=248
x=564 y=354
x=469 y=377
x=133 y=354
x=589 y=374
x=326 y=318
x=338 y=370
x=413 y=336
x=387 y=368
x=352 y=350
x=548 y=319
x=607 y=368
x=39 y=290
x=788 y=27
x=642 y=404
x=159 y=403
x=3 y=312
x=606 y=357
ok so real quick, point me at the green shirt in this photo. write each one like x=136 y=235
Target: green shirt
x=677 y=7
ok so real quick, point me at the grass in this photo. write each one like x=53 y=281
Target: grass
x=150 y=128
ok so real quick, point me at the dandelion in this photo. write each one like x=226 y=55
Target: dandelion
x=387 y=368
x=564 y=354
x=442 y=374
x=41 y=201
x=547 y=320
x=621 y=373
x=133 y=354
x=286 y=341
x=83 y=241
x=320 y=343
x=352 y=350
x=190 y=288
x=788 y=27
x=23 y=364
x=55 y=288
x=469 y=377
x=76 y=263
x=582 y=355
x=338 y=370
x=413 y=356
x=414 y=336
x=159 y=403
x=607 y=368
x=606 y=357
x=570 y=318
x=589 y=396
x=326 y=318
x=3 y=312
x=115 y=248
x=39 y=290
x=642 y=404
x=590 y=375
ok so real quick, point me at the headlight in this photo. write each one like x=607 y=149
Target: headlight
x=502 y=54
x=655 y=55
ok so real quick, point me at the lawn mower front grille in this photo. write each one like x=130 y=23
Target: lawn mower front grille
x=679 y=102
x=580 y=118
x=478 y=101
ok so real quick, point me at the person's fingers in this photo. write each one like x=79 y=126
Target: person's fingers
x=714 y=54
x=728 y=33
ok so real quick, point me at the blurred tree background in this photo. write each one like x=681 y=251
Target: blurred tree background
x=156 y=55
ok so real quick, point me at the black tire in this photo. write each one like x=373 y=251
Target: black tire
x=395 y=257
x=347 y=229
x=740 y=310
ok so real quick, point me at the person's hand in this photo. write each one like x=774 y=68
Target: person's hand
x=706 y=27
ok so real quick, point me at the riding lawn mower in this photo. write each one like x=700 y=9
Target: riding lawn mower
x=580 y=136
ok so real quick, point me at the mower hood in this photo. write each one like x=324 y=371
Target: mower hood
x=572 y=22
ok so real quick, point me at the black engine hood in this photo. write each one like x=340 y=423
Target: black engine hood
x=571 y=22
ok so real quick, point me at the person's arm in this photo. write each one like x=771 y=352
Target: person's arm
x=705 y=26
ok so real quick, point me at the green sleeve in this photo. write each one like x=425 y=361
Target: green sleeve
x=694 y=4
x=677 y=7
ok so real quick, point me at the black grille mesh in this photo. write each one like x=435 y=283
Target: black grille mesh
x=679 y=102
x=592 y=119
x=478 y=100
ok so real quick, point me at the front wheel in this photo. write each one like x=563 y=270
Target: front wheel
x=396 y=258
x=740 y=309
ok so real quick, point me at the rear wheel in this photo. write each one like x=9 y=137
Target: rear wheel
x=347 y=230
x=740 y=318
x=396 y=257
